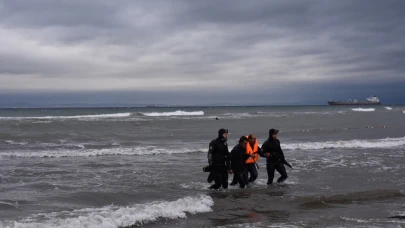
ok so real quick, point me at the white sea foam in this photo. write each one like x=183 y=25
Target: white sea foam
x=194 y=185
x=263 y=181
x=114 y=216
x=245 y=115
x=314 y=113
x=241 y=114
x=260 y=224
x=399 y=213
x=388 y=108
x=9 y=204
x=11 y=142
x=41 y=122
x=376 y=143
x=150 y=150
x=98 y=152
x=355 y=220
x=99 y=116
x=363 y=109
x=176 y=113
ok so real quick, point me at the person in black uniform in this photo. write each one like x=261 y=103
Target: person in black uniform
x=238 y=159
x=275 y=157
x=219 y=160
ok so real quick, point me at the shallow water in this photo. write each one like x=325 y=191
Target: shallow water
x=126 y=167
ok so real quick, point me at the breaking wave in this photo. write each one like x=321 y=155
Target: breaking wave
x=115 y=115
x=115 y=216
x=388 y=108
x=363 y=109
x=98 y=152
x=176 y=113
x=245 y=115
x=81 y=151
x=350 y=144
x=11 y=142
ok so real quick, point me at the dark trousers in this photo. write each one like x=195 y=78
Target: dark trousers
x=234 y=180
x=211 y=177
x=251 y=168
x=280 y=169
x=220 y=176
x=240 y=178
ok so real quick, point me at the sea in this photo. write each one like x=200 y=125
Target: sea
x=142 y=167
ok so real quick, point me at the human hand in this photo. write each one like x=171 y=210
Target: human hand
x=230 y=172
x=268 y=154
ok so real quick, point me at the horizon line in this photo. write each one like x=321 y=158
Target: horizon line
x=95 y=106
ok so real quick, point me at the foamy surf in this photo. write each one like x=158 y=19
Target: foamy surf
x=194 y=185
x=115 y=115
x=388 y=108
x=99 y=152
x=176 y=113
x=153 y=150
x=114 y=216
x=363 y=109
x=349 y=144
x=11 y=142
x=261 y=224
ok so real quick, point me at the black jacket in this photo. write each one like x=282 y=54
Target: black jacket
x=273 y=147
x=218 y=154
x=238 y=158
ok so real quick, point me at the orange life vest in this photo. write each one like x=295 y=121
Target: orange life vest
x=250 y=150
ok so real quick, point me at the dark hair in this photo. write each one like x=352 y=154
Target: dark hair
x=222 y=131
x=243 y=138
x=250 y=136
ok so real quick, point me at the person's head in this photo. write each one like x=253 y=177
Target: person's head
x=252 y=139
x=223 y=133
x=243 y=141
x=273 y=133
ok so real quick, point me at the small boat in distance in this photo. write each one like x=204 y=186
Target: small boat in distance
x=373 y=100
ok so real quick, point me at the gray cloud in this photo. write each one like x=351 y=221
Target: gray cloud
x=198 y=45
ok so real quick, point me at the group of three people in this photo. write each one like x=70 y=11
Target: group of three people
x=242 y=160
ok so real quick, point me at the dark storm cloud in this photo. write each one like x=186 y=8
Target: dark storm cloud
x=199 y=45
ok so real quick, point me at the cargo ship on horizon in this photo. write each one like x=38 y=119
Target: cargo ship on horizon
x=373 y=100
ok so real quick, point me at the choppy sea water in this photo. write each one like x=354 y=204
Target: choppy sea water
x=129 y=167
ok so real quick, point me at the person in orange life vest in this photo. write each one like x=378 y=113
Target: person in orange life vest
x=253 y=150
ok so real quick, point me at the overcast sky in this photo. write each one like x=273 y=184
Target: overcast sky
x=201 y=52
